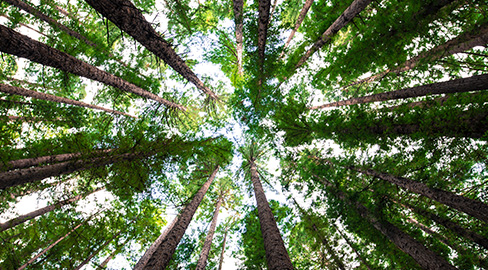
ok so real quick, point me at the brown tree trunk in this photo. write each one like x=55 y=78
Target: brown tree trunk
x=221 y=260
x=39 y=212
x=162 y=255
x=426 y=258
x=263 y=21
x=239 y=25
x=38 y=95
x=469 y=206
x=131 y=20
x=202 y=260
x=276 y=255
x=14 y=43
x=350 y=12
x=29 y=162
x=301 y=17
x=462 y=43
x=87 y=260
x=474 y=83
x=48 y=248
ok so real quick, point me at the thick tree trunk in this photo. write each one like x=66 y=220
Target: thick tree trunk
x=239 y=25
x=14 y=43
x=202 y=261
x=162 y=255
x=87 y=260
x=263 y=21
x=29 y=162
x=221 y=260
x=48 y=248
x=39 y=212
x=301 y=17
x=277 y=257
x=462 y=43
x=453 y=226
x=131 y=20
x=469 y=206
x=349 y=243
x=352 y=11
x=149 y=252
x=474 y=83
x=426 y=258
x=38 y=95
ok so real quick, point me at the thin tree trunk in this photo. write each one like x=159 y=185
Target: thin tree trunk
x=131 y=20
x=474 y=83
x=462 y=43
x=301 y=17
x=36 y=161
x=348 y=241
x=469 y=206
x=330 y=250
x=39 y=212
x=48 y=248
x=14 y=43
x=202 y=260
x=221 y=260
x=112 y=255
x=149 y=252
x=239 y=25
x=277 y=257
x=347 y=16
x=38 y=95
x=162 y=255
x=87 y=260
x=426 y=258
x=24 y=25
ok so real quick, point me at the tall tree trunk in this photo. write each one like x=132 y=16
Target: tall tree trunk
x=451 y=225
x=162 y=255
x=131 y=20
x=349 y=243
x=426 y=258
x=38 y=95
x=24 y=25
x=87 y=260
x=263 y=21
x=239 y=25
x=221 y=260
x=103 y=265
x=202 y=261
x=276 y=255
x=462 y=43
x=14 y=43
x=469 y=206
x=36 y=161
x=347 y=16
x=474 y=83
x=329 y=249
x=301 y=17
x=149 y=252
x=39 y=212
x=48 y=248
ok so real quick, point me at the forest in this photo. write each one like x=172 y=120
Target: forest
x=219 y=134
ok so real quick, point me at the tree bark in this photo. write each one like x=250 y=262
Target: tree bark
x=469 y=206
x=162 y=255
x=352 y=11
x=38 y=95
x=277 y=257
x=239 y=25
x=131 y=20
x=301 y=17
x=39 y=212
x=14 y=43
x=426 y=258
x=474 y=83
x=221 y=260
x=202 y=260
x=462 y=43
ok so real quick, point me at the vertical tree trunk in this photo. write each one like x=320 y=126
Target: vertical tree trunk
x=301 y=17
x=14 y=43
x=474 y=83
x=263 y=21
x=469 y=206
x=87 y=260
x=48 y=248
x=221 y=260
x=347 y=16
x=162 y=255
x=276 y=255
x=130 y=19
x=38 y=95
x=39 y=212
x=462 y=43
x=202 y=260
x=239 y=25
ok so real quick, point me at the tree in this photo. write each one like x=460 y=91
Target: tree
x=202 y=260
x=299 y=21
